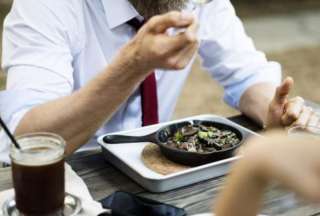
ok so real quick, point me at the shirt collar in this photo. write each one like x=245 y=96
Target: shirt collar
x=118 y=12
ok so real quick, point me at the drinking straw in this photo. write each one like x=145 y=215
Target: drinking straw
x=13 y=140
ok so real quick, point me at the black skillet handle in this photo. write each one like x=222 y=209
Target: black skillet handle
x=121 y=139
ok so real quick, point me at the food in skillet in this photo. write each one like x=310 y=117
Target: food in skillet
x=202 y=139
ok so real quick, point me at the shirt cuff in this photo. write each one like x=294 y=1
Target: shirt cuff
x=234 y=92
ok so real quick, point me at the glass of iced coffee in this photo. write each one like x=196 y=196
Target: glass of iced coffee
x=38 y=174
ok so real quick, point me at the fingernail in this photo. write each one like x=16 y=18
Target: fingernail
x=186 y=16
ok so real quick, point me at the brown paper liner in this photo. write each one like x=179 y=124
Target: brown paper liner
x=154 y=160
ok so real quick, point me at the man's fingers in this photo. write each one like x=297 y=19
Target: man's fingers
x=160 y=23
x=181 y=41
x=170 y=45
x=175 y=44
x=304 y=117
x=292 y=111
x=193 y=28
x=182 y=59
x=283 y=90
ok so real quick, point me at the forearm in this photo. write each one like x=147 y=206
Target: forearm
x=243 y=193
x=256 y=100
x=77 y=117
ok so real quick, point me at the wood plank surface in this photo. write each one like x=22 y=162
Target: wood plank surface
x=103 y=179
x=100 y=176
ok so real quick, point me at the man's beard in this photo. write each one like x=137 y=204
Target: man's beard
x=150 y=8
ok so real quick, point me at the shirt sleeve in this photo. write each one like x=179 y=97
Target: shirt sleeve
x=230 y=55
x=38 y=51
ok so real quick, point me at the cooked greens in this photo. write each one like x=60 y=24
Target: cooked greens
x=201 y=138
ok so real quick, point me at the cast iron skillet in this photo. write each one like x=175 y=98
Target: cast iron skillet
x=161 y=136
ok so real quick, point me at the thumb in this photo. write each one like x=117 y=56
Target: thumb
x=283 y=91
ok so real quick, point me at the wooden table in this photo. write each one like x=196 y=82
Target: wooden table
x=103 y=179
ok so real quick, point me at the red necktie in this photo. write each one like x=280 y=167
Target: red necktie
x=148 y=90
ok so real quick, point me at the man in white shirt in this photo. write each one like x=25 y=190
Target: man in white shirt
x=77 y=68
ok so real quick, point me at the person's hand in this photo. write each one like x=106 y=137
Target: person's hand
x=285 y=112
x=293 y=162
x=153 y=47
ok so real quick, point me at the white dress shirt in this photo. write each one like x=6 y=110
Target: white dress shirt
x=52 y=48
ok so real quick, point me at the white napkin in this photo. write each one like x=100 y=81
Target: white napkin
x=74 y=186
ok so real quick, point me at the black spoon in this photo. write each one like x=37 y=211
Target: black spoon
x=161 y=136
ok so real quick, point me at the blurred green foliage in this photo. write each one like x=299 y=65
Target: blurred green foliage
x=4 y=9
x=2 y=82
x=254 y=8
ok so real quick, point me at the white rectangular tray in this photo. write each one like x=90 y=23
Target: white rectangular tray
x=127 y=158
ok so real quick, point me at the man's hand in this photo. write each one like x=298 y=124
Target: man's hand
x=153 y=47
x=284 y=112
